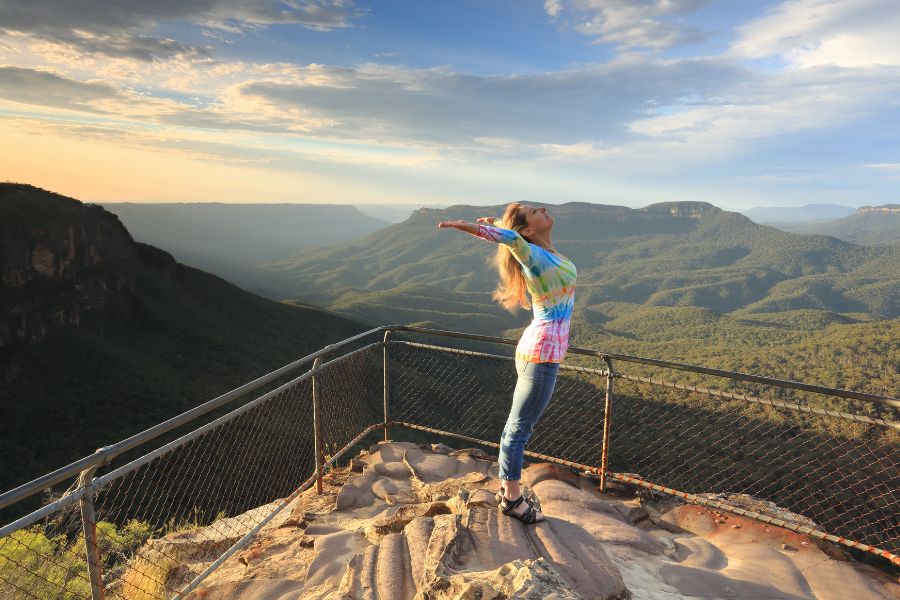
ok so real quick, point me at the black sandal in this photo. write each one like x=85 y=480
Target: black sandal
x=528 y=517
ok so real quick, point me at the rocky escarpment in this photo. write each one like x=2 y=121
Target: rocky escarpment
x=887 y=208
x=60 y=260
x=405 y=521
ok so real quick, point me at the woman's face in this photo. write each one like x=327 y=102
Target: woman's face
x=537 y=219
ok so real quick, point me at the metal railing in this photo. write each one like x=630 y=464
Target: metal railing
x=157 y=525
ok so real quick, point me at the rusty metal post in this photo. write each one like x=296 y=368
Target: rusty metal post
x=89 y=529
x=317 y=426
x=387 y=388
x=607 y=415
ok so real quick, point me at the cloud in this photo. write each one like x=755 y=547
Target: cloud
x=587 y=105
x=103 y=15
x=774 y=105
x=884 y=166
x=223 y=148
x=629 y=23
x=30 y=86
x=112 y=27
x=848 y=33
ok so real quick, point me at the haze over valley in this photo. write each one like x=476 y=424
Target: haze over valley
x=98 y=320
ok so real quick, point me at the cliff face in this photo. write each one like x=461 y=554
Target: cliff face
x=887 y=208
x=60 y=260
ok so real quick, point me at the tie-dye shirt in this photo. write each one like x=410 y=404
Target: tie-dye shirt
x=550 y=280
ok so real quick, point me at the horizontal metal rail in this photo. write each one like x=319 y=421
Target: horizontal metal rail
x=137 y=463
x=757 y=400
x=677 y=386
x=693 y=498
x=818 y=389
x=108 y=453
x=563 y=367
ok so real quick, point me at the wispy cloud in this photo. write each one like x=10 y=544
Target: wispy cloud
x=884 y=166
x=806 y=33
x=43 y=88
x=116 y=28
x=799 y=67
x=629 y=23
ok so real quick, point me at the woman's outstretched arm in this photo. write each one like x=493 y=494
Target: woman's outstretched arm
x=461 y=225
x=511 y=239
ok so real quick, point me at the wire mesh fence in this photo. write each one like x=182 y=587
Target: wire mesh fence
x=836 y=472
x=160 y=522
x=768 y=449
x=468 y=394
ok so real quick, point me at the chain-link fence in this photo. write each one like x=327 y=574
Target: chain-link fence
x=778 y=451
x=154 y=525
x=837 y=472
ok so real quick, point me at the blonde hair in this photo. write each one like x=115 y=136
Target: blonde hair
x=511 y=292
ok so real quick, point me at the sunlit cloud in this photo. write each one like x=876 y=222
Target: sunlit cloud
x=806 y=33
x=112 y=27
x=198 y=80
x=629 y=23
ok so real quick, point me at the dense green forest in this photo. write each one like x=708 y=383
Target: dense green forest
x=864 y=227
x=683 y=282
x=108 y=336
x=686 y=282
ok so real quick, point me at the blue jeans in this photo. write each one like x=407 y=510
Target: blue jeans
x=533 y=390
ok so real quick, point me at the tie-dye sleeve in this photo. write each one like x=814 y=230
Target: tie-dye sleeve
x=515 y=242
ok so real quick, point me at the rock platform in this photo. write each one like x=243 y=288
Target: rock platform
x=405 y=521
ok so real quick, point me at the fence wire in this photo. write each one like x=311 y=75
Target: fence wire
x=471 y=394
x=163 y=519
x=843 y=475
x=161 y=523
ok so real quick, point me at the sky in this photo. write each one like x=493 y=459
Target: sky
x=627 y=102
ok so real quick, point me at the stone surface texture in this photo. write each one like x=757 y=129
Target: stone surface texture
x=408 y=521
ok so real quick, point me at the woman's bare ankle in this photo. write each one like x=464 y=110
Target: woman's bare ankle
x=511 y=489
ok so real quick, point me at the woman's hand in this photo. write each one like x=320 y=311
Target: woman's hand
x=487 y=220
x=461 y=225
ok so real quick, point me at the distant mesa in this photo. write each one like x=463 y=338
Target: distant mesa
x=774 y=215
x=886 y=208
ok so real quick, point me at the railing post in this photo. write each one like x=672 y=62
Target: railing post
x=89 y=529
x=317 y=426
x=387 y=388
x=607 y=415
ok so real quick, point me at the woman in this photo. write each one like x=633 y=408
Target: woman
x=527 y=261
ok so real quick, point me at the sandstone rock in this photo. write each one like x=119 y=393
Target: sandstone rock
x=463 y=547
x=526 y=580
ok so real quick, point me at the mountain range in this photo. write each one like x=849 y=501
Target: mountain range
x=773 y=215
x=231 y=239
x=869 y=225
x=678 y=281
x=102 y=336
x=687 y=254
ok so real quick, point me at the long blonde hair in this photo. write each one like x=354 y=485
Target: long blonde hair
x=511 y=292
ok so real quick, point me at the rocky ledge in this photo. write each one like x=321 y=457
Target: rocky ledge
x=410 y=521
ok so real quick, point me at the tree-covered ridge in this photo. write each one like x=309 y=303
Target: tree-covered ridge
x=683 y=281
x=677 y=254
x=109 y=338
x=870 y=225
